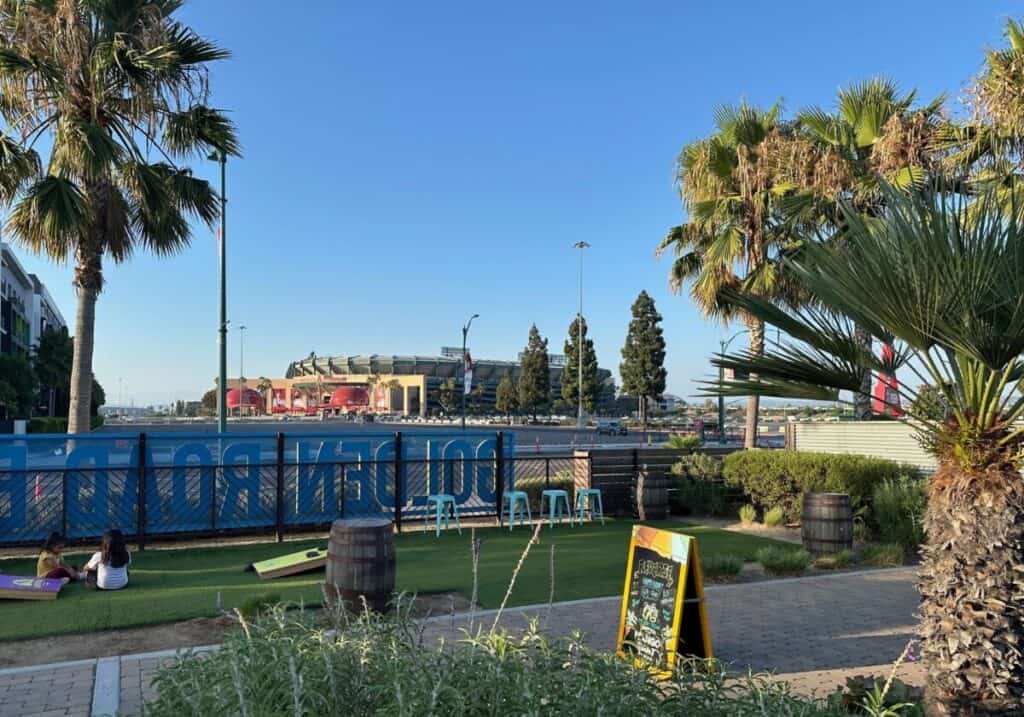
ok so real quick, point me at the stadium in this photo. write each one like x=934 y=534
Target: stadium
x=379 y=384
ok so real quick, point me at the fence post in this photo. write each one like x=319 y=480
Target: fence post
x=140 y=516
x=399 y=498
x=279 y=488
x=499 y=473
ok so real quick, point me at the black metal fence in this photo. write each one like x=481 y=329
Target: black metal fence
x=266 y=497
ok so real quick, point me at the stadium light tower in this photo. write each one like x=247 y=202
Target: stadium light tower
x=465 y=332
x=581 y=245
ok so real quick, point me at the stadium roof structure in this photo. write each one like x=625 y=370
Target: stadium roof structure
x=431 y=366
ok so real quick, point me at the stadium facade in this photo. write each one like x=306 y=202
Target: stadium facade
x=398 y=385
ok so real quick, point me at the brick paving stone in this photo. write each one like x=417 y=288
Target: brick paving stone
x=47 y=692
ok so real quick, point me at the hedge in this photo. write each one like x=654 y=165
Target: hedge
x=58 y=424
x=781 y=477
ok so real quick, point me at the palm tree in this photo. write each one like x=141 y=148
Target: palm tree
x=266 y=387
x=943 y=285
x=731 y=239
x=112 y=83
x=873 y=136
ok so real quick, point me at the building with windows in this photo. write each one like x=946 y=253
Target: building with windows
x=400 y=385
x=26 y=307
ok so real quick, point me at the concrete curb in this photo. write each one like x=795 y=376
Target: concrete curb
x=106 y=691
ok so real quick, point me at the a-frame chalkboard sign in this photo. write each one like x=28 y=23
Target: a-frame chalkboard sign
x=663 y=615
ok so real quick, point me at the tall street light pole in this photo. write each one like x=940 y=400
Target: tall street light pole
x=241 y=370
x=721 y=377
x=465 y=332
x=222 y=336
x=581 y=245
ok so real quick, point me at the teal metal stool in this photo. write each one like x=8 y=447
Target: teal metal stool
x=444 y=508
x=518 y=503
x=555 y=499
x=588 y=500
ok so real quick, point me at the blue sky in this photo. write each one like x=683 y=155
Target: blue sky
x=409 y=164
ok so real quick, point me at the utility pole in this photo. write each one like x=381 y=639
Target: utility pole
x=222 y=340
x=581 y=245
x=465 y=332
x=241 y=371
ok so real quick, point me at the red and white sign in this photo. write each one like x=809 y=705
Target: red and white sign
x=467 y=377
x=887 y=389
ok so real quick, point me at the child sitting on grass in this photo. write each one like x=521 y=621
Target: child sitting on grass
x=51 y=562
x=108 y=568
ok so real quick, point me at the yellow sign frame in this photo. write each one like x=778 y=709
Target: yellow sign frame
x=682 y=550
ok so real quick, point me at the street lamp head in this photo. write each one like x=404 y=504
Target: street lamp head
x=581 y=245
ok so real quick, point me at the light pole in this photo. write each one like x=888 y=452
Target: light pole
x=465 y=332
x=241 y=370
x=721 y=377
x=222 y=336
x=581 y=245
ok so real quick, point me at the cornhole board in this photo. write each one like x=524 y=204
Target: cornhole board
x=14 y=587
x=663 y=616
x=291 y=564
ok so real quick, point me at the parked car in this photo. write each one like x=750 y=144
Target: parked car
x=610 y=428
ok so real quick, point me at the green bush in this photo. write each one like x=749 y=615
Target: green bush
x=698 y=487
x=783 y=561
x=837 y=561
x=883 y=555
x=897 y=512
x=286 y=663
x=748 y=514
x=721 y=567
x=774 y=517
x=680 y=442
x=257 y=605
x=57 y=424
x=781 y=477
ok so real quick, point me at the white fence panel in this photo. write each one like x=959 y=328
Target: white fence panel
x=883 y=439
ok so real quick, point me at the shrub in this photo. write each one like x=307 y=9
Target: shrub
x=883 y=555
x=287 y=664
x=837 y=561
x=897 y=512
x=721 y=567
x=748 y=514
x=781 y=477
x=783 y=561
x=680 y=442
x=57 y=424
x=698 y=487
x=774 y=517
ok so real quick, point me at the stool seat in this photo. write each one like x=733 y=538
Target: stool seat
x=556 y=498
x=444 y=509
x=518 y=503
x=588 y=500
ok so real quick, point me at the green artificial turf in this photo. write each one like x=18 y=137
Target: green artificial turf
x=169 y=585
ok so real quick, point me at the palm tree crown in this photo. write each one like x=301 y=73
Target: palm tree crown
x=120 y=89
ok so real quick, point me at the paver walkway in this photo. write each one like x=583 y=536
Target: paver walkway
x=813 y=632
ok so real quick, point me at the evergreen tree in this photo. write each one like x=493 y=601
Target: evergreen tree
x=643 y=357
x=506 y=397
x=446 y=396
x=17 y=386
x=570 y=375
x=534 y=379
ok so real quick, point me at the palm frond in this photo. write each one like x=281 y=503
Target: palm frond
x=199 y=130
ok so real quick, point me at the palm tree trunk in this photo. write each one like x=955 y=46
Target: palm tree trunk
x=756 y=328
x=972 y=611
x=81 y=364
x=862 y=399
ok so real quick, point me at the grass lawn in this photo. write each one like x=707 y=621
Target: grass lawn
x=169 y=585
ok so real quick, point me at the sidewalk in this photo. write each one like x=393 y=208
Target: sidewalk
x=813 y=632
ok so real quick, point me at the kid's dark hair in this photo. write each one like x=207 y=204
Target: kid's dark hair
x=113 y=551
x=52 y=541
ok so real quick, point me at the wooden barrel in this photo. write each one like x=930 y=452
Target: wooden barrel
x=826 y=523
x=361 y=563
x=649 y=495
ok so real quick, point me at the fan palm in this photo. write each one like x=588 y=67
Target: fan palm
x=944 y=286
x=731 y=239
x=112 y=83
x=873 y=136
